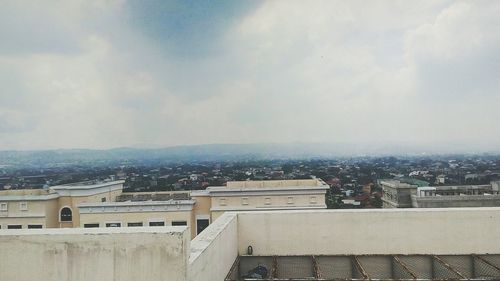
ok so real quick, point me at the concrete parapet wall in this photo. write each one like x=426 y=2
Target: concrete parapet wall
x=214 y=251
x=386 y=231
x=456 y=201
x=123 y=254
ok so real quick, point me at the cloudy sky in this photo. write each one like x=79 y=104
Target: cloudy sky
x=101 y=74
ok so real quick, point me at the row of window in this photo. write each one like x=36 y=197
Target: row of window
x=20 y=226
x=267 y=200
x=23 y=206
x=201 y=224
x=134 y=224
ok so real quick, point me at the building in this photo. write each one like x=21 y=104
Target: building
x=56 y=207
x=317 y=245
x=402 y=195
x=104 y=204
x=396 y=194
x=260 y=195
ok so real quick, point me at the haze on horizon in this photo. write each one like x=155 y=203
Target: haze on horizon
x=103 y=74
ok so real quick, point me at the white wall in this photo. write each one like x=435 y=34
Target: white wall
x=94 y=254
x=390 y=231
x=214 y=250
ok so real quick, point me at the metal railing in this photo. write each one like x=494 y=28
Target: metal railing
x=366 y=267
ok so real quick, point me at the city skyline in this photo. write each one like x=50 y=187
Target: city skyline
x=93 y=74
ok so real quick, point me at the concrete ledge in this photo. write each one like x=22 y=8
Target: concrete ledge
x=214 y=250
x=92 y=231
x=78 y=254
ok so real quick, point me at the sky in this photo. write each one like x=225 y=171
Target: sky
x=104 y=74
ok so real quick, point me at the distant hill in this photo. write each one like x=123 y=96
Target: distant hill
x=214 y=152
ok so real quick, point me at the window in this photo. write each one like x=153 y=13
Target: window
x=201 y=224
x=222 y=201
x=14 y=226
x=91 y=225
x=66 y=214
x=113 y=224
x=244 y=201
x=32 y=226
x=178 y=223
x=3 y=207
x=313 y=200
x=23 y=206
x=103 y=199
x=156 y=223
x=134 y=224
x=289 y=200
x=267 y=201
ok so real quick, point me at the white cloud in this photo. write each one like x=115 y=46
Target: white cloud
x=289 y=71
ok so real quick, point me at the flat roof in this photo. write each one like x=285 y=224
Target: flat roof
x=275 y=183
x=366 y=267
x=137 y=203
x=86 y=185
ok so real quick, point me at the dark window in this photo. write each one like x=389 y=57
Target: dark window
x=14 y=226
x=177 y=223
x=30 y=226
x=134 y=224
x=200 y=225
x=157 y=223
x=103 y=199
x=66 y=214
x=113 y=224
x=91 y=225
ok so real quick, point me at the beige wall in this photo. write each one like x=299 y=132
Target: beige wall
x=202 y=205
x=74 y=201
x=124 y=254
x=390 y=231
x=144 y=217
x=52 y=213
x=38 y=212
x=292 y=201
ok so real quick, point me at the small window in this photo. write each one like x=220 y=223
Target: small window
x=134 y=224
x=222 y=201
x=103 y=199
x=23 y=206
x=179 y=223
x=201 y=224
x=313 y=200
x=32 y=226
x=113 y=224
x=3 y=207
x=14 y=226
x=66 y=214
x=267 y=201
x=156 y=223
x=244 y=201
x=289 y=200
x=91 y=225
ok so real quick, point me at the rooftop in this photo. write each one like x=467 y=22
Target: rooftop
x=86 y=185
x=366 y=267
x=27 y=194
x=388 y=244
x=275 y=183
